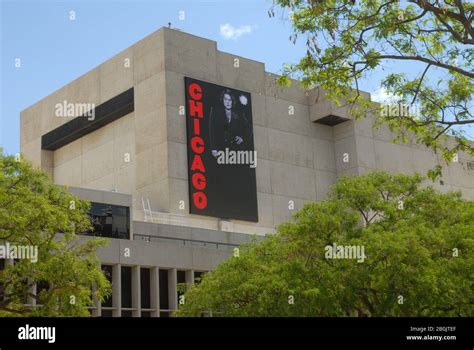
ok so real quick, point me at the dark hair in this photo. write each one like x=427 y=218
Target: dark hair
x=227 y=92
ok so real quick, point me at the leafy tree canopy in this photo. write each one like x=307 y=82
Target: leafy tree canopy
x=349 y=40
x=36 y=213
x=418 y=247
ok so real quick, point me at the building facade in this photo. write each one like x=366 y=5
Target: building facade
x=131 y=155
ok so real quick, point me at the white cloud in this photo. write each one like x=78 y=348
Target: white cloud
x=230 y=32
x=381 y=95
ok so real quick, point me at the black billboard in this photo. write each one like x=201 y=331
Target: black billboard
x=221 y=155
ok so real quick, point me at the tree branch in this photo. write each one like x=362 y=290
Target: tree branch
x=426 y=60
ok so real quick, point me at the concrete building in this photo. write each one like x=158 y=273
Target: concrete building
x=134 y=155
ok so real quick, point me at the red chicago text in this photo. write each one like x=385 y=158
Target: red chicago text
x=198 y=177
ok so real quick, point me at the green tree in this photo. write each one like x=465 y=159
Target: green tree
x=36 y=213
x=348 y=41
x=418 y=247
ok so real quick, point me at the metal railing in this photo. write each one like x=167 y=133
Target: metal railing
x=185 y=242
x=165 y=218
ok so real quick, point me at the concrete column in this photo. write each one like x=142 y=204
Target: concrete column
x=155 y=291
x=32 y=290
x=172 y=289
x=189 y=275
x=97 y=312
x=136 y=291
x=117 y=290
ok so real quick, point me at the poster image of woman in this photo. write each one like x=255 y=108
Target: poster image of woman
x=230 y=129
x=228 y=126
x=220 y=142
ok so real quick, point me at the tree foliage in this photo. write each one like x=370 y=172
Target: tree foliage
x=36 y=213
x=348 y=41
x=418 y=246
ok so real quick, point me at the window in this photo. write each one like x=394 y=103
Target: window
x=107 y=269
x=164 y=301
x=126 y=287
x=198 y=275
x=181 y=281
x=41 y=286
x=181 y=275
x=145 y=287
x=109 y=220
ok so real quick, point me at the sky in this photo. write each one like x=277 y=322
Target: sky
x=55 y=46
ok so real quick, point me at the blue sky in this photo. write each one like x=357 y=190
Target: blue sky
x=55 y=50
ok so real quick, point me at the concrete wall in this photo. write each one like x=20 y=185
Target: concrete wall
x=99 y=159
x=290 y=171
x=298 y=159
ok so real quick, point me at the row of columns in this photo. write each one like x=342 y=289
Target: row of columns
x=136 y=290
